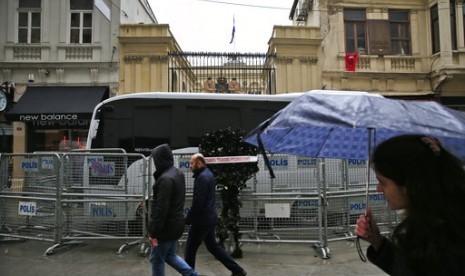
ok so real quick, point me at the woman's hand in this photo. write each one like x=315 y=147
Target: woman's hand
x=367 y=229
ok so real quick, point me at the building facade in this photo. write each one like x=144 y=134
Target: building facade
x=62 y=58
x=409 y=49
x=403 y=48
x=152 y=60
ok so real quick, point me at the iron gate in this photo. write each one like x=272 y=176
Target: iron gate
x=221 y=72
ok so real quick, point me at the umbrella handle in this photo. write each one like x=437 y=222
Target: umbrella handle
x=367 y=184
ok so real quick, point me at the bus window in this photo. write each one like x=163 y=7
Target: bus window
x=139 y=122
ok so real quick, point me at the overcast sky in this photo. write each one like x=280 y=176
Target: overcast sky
x=206 y=25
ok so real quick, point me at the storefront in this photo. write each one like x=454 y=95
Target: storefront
x=55 y=118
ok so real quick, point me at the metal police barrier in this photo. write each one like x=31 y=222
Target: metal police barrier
x=77 y=196
x=103 y=196
x=30 y=196
x=280 y=217
x=287 y=209
x=311 y=200
x=348 y=206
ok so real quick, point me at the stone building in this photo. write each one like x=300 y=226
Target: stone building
x=403 y=48
x=62 y=57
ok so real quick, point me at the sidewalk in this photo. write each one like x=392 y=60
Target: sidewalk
x=27 y=258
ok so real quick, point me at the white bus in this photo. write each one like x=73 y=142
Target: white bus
x=139 y=122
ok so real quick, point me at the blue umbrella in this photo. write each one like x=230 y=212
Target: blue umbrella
x=344 y=125
x=348 y=125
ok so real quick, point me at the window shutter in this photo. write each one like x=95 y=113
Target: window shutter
x=378 y=37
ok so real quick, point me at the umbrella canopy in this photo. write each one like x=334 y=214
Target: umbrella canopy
x=347 y=125
x=337 y=124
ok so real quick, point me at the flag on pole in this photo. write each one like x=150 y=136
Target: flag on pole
x=233 y=31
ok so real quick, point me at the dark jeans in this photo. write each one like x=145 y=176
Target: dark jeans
x=166 y=252
x=206 y=233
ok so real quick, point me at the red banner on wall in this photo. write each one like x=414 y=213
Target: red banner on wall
x=351 y=61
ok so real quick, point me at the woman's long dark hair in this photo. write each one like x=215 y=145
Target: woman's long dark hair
x=434 y=228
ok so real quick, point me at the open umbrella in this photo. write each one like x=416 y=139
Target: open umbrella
x=331 y=124
x=348 y=125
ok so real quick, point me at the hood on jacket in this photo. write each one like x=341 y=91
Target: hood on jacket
x=162 y=158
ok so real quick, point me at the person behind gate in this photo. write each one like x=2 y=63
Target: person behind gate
x=166 y=224
x=203 y=218
x=417 y=175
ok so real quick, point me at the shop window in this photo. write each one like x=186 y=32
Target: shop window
x=29 y=21
x=81 y=21
x=399 y=22
x=56 y=139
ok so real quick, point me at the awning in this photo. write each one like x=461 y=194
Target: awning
x=52 y=106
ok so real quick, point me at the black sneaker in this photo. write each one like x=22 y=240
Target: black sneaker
x=240 y=273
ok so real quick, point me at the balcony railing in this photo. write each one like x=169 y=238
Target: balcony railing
x=402 y=64
x=385 y=64
x=78 y=53
x=27 y=53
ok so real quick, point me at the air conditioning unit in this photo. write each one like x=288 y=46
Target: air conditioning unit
x=302 y=10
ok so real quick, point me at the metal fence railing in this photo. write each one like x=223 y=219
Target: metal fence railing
x=30 y=190
x=71 y=197
x=237 y=73
x=102 y=196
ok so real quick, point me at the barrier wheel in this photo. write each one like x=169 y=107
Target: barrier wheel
x=144 y=250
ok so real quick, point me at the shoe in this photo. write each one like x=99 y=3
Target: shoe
x=240 y=273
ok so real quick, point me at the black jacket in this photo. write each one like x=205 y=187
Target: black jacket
x=386 y=259
x=167 y=206
x=391 y=262
x=203 y=210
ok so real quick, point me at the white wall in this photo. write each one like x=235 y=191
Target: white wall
x=137 y=11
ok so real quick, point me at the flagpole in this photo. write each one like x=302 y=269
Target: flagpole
x=234 y=26
x=233 y=40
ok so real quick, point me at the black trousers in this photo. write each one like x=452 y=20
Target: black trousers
x=206 y=233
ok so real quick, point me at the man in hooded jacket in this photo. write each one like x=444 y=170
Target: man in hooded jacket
x=166 y=224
